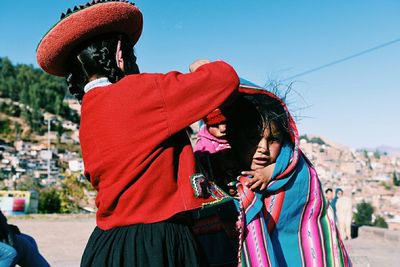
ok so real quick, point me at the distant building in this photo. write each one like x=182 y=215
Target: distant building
x=19 y=202
x=75 y=165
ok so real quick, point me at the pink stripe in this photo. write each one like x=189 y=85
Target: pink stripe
x=247 y=197
x=310 y=237
x=333 y=232
x=257 y=252
x=337 y=243
x=265 y=232
x=321 y=199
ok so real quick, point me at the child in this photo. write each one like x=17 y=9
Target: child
x=215 y=226
x=212 y=151
x=284 y=220
x=212 y=135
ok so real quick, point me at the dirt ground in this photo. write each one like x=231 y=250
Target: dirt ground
x=62 y=239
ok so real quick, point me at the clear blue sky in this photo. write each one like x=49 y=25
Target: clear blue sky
x=354 y=103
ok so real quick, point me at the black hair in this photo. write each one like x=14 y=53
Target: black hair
x=328 y=190
x=253 y=113
x=97 y=58
x=271 y=110
x=248 y=118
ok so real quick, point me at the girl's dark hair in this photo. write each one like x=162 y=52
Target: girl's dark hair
x=252 y=114
x=97 y=58
x=271 y=110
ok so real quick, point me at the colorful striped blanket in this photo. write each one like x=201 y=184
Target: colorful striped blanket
x=290 y=222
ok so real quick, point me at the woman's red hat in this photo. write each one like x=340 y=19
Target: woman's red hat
x=83 y=23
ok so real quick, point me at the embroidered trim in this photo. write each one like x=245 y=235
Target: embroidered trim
x=200 y=185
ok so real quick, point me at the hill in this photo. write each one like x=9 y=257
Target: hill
x=26 y=94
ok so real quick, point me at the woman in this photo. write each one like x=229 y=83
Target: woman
x=136 y=152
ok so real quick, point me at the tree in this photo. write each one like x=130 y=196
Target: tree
x=396 y=180
x=317 y=140
x=28 y=183
x=18 y=130
x=36 y=90
x=73 y=193
x=380 y=222
x=377 y=154
x=49 y=201
x=5 y=126
x=363 y=216
x=60 y=131
x=305 y=137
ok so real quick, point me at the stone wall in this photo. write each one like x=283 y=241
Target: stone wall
x=379 y=233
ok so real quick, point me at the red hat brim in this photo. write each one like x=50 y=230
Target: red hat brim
x=102 y=18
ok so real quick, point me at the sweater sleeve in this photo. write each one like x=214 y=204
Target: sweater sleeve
x=190 y=97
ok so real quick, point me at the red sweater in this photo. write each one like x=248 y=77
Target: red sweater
x=135 y=150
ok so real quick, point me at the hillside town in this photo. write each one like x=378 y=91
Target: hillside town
x=42 y=156
x=363 y=175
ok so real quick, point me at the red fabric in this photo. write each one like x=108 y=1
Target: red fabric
x=134 y=146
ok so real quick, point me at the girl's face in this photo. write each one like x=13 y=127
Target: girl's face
x=257 y=153
x=268 y=148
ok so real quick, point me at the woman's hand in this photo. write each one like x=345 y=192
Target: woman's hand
x=195 y=65
x=261 y=177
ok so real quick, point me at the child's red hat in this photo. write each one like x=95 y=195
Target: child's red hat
x=215 y=117
x=85 y=22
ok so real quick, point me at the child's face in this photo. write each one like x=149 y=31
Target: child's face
x=329 y=195
x=268 y=148
x=218 y=130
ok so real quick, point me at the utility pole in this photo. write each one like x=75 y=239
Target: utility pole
x=48 y=149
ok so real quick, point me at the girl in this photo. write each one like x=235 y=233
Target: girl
x=132 y=132
x=285 y=221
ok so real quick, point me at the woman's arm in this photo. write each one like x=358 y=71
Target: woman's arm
x=190 y=97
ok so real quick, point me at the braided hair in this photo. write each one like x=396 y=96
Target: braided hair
x=96 y=58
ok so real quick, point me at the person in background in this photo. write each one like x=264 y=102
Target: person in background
x=7 y=255
x=18 y=248
x=329 y=195
x=344 y=214
x=338 y=193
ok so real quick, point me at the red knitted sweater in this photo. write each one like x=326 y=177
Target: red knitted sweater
x=135 y=150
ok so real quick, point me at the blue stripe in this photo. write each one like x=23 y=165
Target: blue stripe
x=248 y=83
x=286 y=236
x=282 y=163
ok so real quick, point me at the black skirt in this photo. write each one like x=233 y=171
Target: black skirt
x=157 y=244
